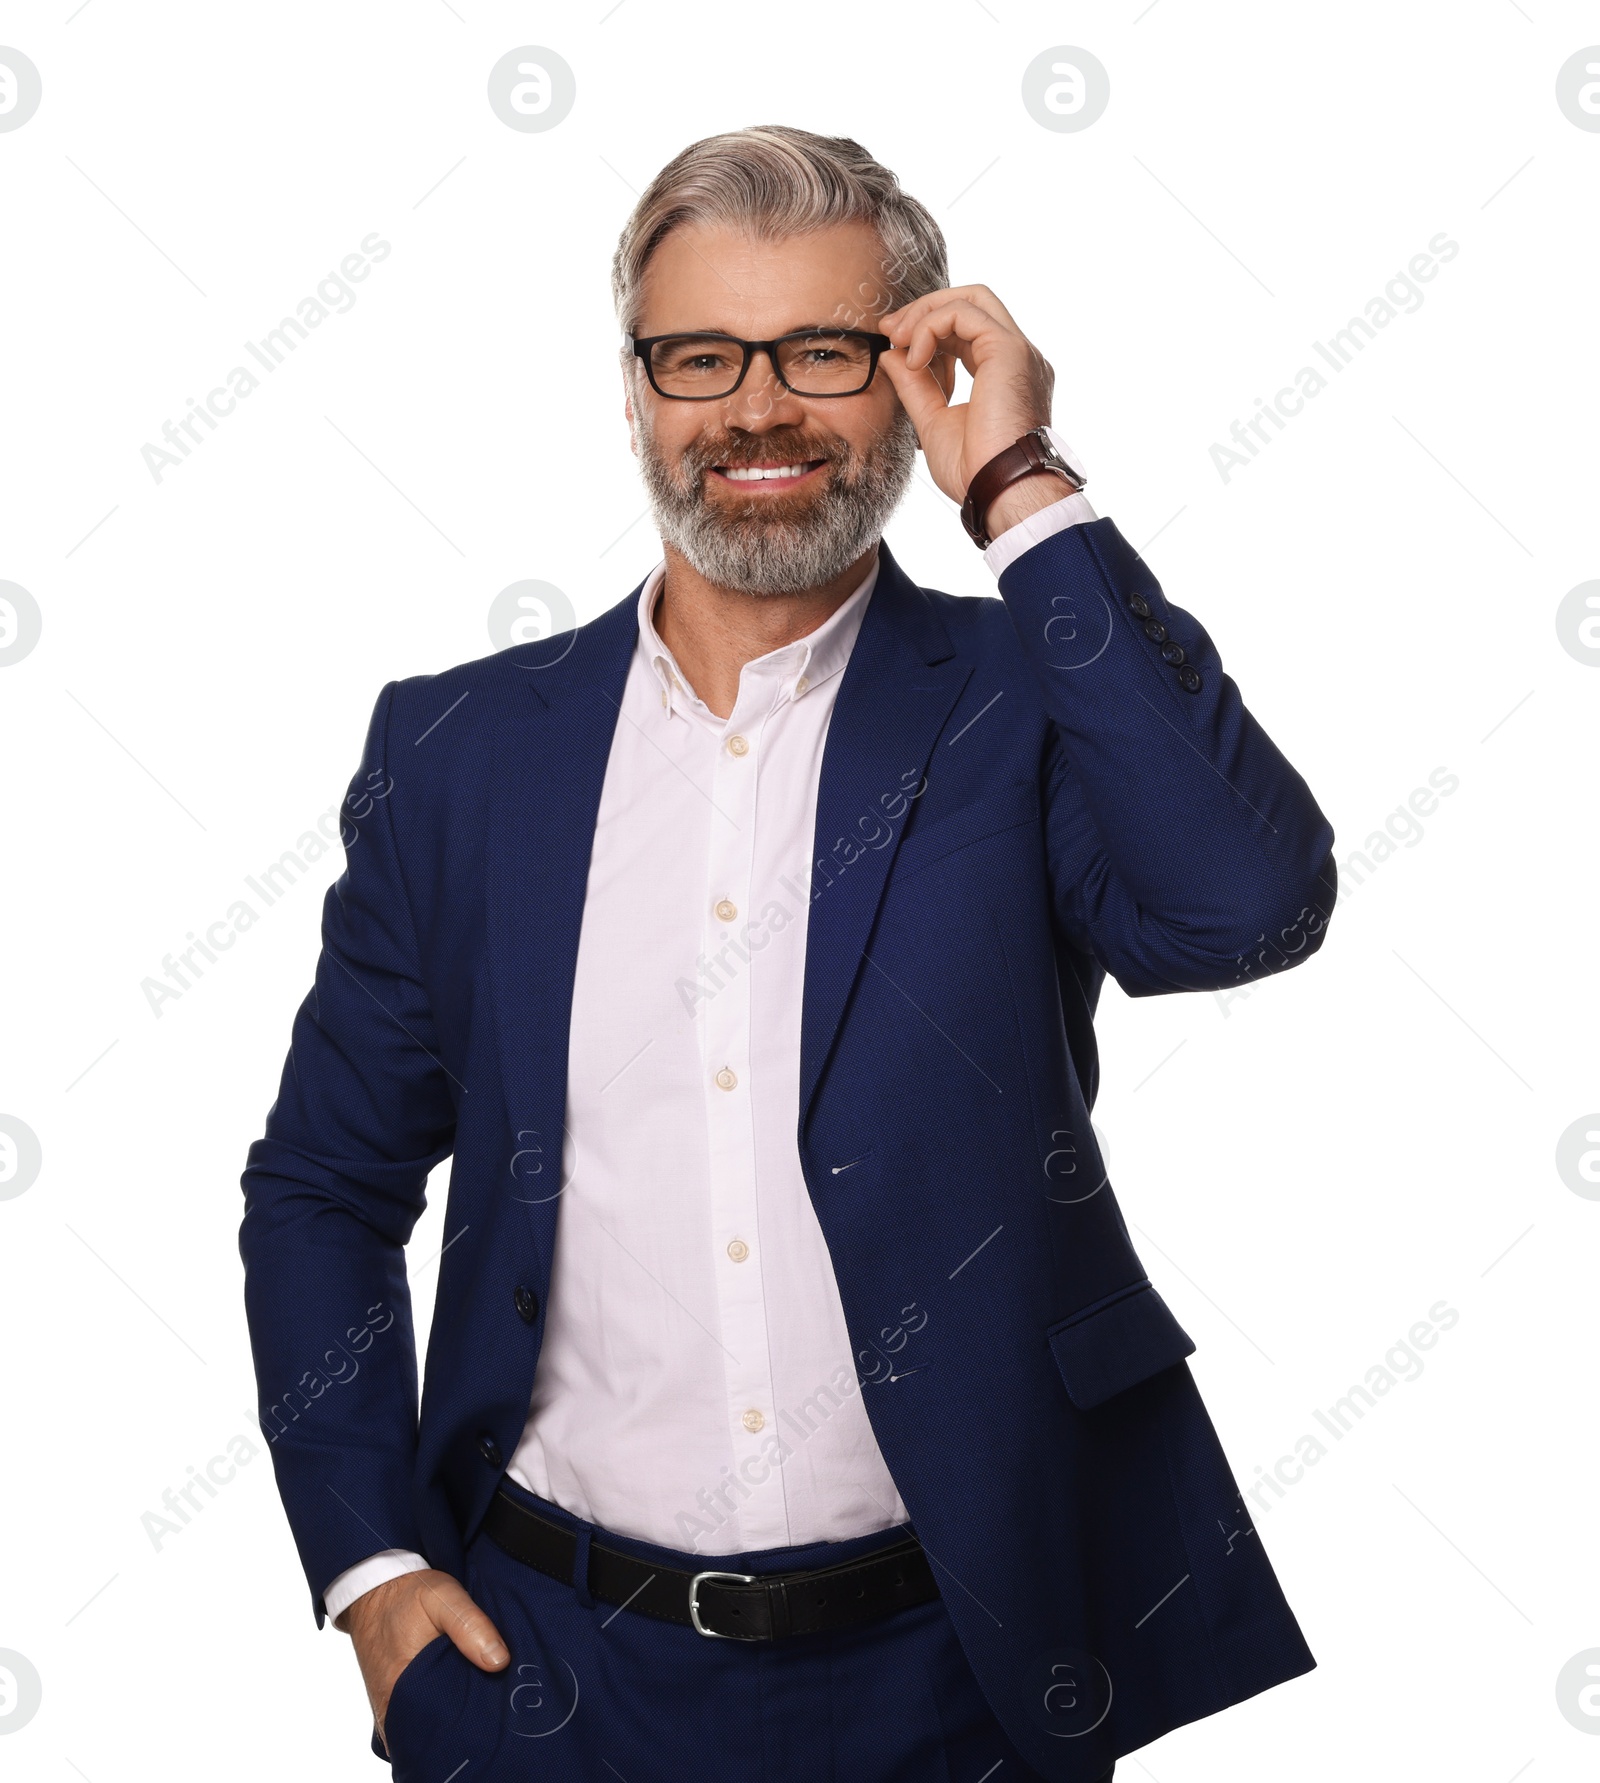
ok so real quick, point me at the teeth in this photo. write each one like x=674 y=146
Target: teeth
x=746 y=473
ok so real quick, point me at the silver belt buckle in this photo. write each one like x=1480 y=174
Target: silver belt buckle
x=694 y=1603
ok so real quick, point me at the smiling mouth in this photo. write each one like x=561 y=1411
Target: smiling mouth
x=768 y=476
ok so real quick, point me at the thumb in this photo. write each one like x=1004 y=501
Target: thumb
x=919 y=391
x=453 y=1612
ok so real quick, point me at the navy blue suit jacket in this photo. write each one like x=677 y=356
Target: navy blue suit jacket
x=1018 y=796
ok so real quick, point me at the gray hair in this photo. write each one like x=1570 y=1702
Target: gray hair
x=774 y=180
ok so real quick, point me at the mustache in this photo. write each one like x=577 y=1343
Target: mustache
x=731 y=453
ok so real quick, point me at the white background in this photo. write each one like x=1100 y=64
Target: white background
x=1308 y=1170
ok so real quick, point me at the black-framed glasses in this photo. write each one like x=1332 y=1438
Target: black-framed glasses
x=809 y=362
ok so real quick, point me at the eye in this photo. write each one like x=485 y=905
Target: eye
x=693 y=356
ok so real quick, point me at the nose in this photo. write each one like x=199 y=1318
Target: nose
x=761 y=402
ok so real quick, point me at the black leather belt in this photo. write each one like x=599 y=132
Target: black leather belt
x=734 y=1606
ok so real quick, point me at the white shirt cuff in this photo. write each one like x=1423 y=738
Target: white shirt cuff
x=1008 y=546
x=355 y=1581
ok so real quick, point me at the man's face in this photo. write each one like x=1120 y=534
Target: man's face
x=777 y=535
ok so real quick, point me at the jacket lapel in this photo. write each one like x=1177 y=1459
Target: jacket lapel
x=901 y=681
x=551 y=750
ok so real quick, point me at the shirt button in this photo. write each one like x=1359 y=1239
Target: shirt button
x=753 y=1420
x=726 y=1079
x=738 y=746
x=738 y=1249
x=801 y=685
x=663 y=696
x=727 y=911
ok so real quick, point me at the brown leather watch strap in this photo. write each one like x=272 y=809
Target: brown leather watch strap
x=1033 y=452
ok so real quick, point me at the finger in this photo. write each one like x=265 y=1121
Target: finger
x=978 y=294
x=931 y=346
x=986 y=300
x=453 y=1612
x=931 y=323
x=964 y=329
x=941 y=321
x=940 y=366
x=919 y=392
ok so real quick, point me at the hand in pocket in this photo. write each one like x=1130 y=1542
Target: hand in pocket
x=391 y=1624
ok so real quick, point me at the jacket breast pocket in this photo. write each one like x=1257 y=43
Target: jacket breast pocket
x=1116 y=1343
x=985 y=816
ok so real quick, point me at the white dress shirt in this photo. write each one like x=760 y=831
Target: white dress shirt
x=695 y=1385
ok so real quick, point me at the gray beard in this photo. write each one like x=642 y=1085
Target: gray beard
x=760 y=553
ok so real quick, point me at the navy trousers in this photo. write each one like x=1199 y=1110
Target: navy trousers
x=595 y=1693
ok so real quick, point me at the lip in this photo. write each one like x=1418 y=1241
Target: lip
x=765 y=486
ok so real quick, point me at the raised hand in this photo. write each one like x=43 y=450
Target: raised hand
x=1012 y=381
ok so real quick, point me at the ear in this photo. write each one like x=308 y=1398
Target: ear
x=627 y=414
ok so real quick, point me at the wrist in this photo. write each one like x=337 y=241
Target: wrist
x=1039 y=489
x=373 y=1602
x=1012 y=486
x=356 y=1581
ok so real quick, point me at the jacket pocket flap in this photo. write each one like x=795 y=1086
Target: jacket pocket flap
x=984 y=817
x=1117 y=1343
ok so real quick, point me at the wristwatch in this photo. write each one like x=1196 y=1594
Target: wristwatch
x=1041 y=448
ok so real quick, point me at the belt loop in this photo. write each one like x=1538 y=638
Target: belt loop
x=580 y=1566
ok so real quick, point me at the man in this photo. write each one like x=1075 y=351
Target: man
x=795 y=1403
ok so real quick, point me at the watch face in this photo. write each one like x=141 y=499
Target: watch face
x=1068 y=456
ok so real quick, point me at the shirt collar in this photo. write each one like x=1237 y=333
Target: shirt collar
x=799 y=667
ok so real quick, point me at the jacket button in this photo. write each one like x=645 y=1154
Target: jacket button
x=1153 y=628
x=1173 y=653
x=1190 y=678
x=527 y=1305
x=1139 y=605
x=489 y=1449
